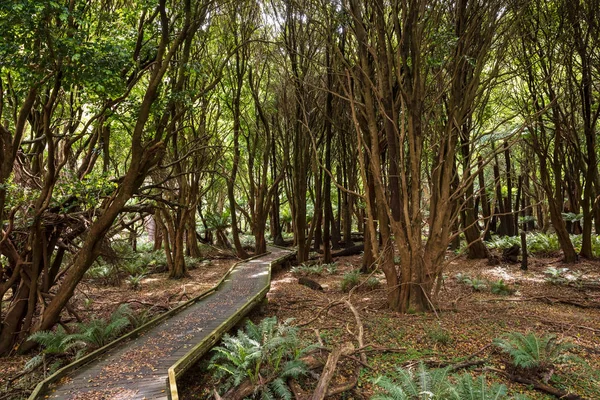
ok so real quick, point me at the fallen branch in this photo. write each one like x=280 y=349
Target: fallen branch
x=321 y=311
x=359 y=336
x=453 y=367
x=543 y=299
x=328 y=370
x=542 y=387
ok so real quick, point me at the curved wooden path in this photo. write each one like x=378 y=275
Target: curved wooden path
x=140 y=368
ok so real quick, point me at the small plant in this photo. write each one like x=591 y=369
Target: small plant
x=477 y=388
x=462 y=278
x=532 y=352
x=331 y=268
x=438 y=335
x=264 y=350
x=351 y=279
x=314 y=269
x=477 y=284
x=372 y=283
x=556 y=276
x=55 y=344
x=87 y=303
x=502 y=288
x=105 y=273
x=135 y=281
x=425 y=384
x=98 y=332
x=307 y=269
x=137 y=319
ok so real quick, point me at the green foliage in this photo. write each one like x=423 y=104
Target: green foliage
x=533 y=352
x=331 y=268
x=106 y=273
x=350 y=279
x=542 y=243
x=502 y=288
x=217 y=221
x=52 y=342
x=469 y=388
x=572 y=217
x=264 y=350
x=135 y=281
x=462 y=278
x=476 y=284
x=536 y=242
x=137 y=319
x=425 y=384
x=314 y=269
x=62 y=345
x=72 y=193
x=438 y=335
x=372 y=283
x=556 y=276
x=99 y=332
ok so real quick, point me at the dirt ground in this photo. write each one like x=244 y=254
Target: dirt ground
x=93 y=299
x=463 y=328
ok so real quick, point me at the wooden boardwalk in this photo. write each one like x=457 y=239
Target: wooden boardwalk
x=137 y=369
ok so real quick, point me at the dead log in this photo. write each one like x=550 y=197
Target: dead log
x=350 y=251
x=511 y=255
x=309 y=283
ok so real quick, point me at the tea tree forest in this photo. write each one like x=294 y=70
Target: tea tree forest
x=433 y=163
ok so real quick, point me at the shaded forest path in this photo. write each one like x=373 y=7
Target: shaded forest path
x=138 y=369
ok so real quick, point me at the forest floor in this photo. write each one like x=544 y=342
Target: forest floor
x=463 y=328
x=96 y=299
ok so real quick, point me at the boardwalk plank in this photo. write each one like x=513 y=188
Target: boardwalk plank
x=137 y=369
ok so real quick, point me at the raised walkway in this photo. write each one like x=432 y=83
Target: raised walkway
x=147 y=367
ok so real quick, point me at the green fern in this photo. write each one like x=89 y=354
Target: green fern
x=53 y=342
x=502 y=288
x=425 y=384
x=350 y=280
x=137 y=319
x=98 y=332
x=469 y=388
x=533 y=352
x=265 y=349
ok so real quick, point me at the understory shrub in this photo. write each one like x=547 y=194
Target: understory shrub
x=534 y=352
x=431 y=384
x=476 y=284
x=87 y=336
x=262 y=351
x=502 y=288
x=541 y=243
x=439 y=335
x=350 y=279
x=314 y=269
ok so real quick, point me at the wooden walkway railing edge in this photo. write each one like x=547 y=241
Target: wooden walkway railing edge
x=42 y=386
x=190 y=358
